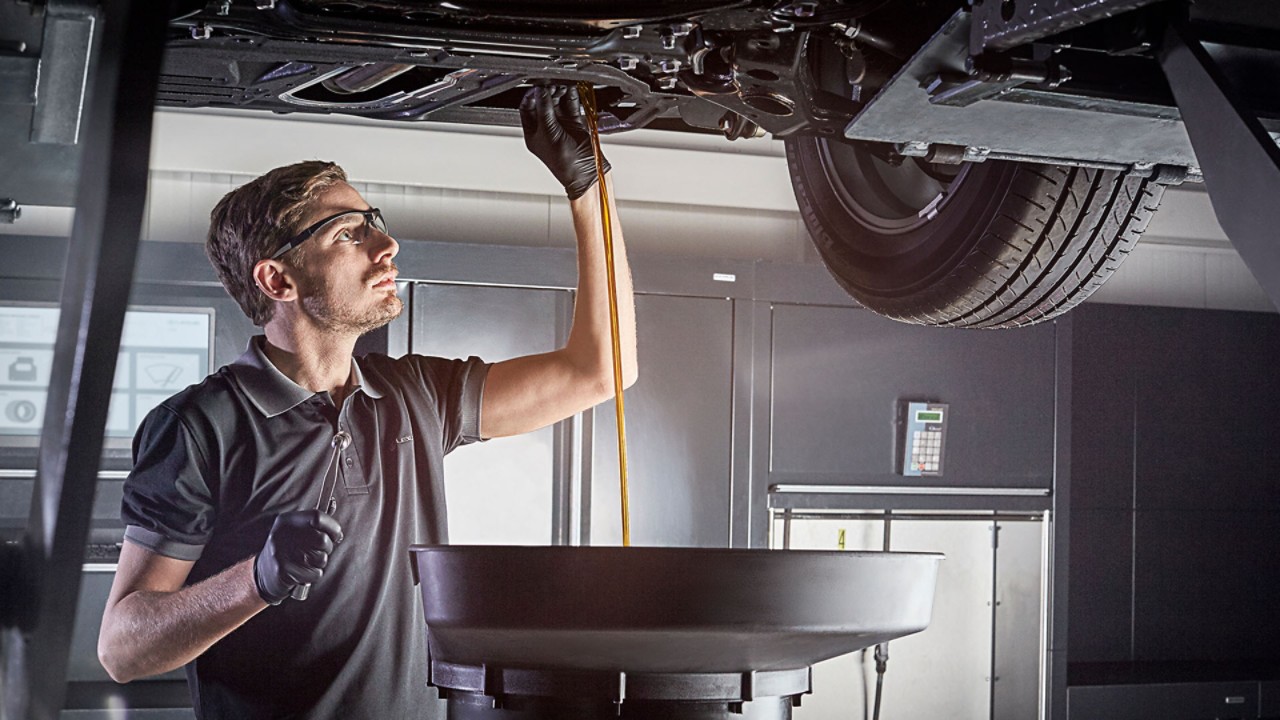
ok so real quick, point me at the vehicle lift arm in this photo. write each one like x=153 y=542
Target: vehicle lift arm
x=1239 y=159
x=40 y=576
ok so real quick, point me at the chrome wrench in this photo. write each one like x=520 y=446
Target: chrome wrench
x=328 y=501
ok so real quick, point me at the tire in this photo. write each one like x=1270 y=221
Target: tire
x=983 y=245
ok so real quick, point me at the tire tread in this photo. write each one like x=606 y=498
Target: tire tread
x=1055 y=236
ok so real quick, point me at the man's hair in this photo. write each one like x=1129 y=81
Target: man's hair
x=250 y=222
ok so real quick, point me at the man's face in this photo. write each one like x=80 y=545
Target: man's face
x=346 y=282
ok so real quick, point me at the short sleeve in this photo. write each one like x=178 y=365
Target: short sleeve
x=167 y=507
x=457 y=387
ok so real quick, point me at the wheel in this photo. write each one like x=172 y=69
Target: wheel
x=993 y=244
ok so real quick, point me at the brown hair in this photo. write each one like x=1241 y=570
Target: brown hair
x=250 y=222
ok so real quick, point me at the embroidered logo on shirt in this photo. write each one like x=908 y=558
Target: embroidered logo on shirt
x=403 y=440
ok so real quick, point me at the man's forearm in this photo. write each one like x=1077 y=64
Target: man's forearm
x=147 y=633
x=533 y=391
x=590 y=337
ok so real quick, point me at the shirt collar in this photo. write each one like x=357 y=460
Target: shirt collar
x=271 y=391
x=368 y=388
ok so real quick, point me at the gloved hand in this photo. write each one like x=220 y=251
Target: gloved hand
x=555 y=129
x=296 y=552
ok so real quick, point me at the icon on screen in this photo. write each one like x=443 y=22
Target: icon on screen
x=163 y=374
x=22 y=370
x=21 y=411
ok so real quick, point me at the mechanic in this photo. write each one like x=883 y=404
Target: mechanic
x=220 y=525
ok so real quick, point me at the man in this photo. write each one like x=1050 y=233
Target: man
x=221 y=529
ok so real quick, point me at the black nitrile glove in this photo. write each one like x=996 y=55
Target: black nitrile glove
x=296 y=552
x=555 y=129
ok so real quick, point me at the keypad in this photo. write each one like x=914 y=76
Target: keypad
x=926 y=450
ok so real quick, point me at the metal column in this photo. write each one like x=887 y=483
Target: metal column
x=42 y=578
x=1239 y=159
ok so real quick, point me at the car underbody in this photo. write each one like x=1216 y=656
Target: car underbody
x=984 y=164
x=829 y=68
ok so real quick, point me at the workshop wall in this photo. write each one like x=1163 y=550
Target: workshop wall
x=704 y=325
x=1174 y=466
x=179 y=203
x=1175 y=500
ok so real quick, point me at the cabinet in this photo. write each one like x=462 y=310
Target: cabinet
x=1174 y=492
x=679 y=421
x=1173 y=701
x=501 y=491
x=837 y=373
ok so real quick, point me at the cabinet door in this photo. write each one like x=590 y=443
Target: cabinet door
x=942 y=672
x=837 y=373
x=678 y=422
x=501 y=491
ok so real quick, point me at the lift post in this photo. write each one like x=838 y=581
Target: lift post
x=1238 y=157
x=41 y=577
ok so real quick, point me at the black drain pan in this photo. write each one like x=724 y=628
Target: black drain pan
x=666 y=610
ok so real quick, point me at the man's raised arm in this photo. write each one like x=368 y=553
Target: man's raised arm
x=533 y=391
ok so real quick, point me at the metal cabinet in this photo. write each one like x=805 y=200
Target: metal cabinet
x=1169 y=701
x=501 y=491
x=678 y=420
x=679 y=429
x=979 y=659
x=1174 y=494
x=837 y=373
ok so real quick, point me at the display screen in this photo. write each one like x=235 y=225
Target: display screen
x=929 y=416
x=162 y=350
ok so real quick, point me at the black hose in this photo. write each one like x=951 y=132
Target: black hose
x=862 y=673
x=882 y=650
x=882 y=664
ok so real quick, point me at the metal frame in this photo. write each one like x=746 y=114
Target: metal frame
x=940 y=90
x=1003 y=25
x=743 y=499
x=43 y=577
x=662 y=66
x=44 y=99
x=1058 y=520
x=996 y=520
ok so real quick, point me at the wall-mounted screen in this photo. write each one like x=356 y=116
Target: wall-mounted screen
x=162 y=350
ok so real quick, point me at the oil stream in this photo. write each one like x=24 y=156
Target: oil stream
x=587 y=92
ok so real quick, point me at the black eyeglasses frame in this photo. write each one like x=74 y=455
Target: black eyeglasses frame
x=372 y=218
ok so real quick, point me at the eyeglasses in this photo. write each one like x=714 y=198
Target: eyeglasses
x=372 y=219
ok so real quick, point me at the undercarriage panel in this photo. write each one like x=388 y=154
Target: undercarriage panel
x=1020 y=122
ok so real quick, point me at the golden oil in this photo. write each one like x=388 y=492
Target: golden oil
x=587 y=92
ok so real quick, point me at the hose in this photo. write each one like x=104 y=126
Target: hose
x=866 y=712
x=882 y=662
x=882 y=650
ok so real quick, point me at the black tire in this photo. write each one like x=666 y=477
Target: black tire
x=999 y=244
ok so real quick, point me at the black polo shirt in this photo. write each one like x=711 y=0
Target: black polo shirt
x=214 y=464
